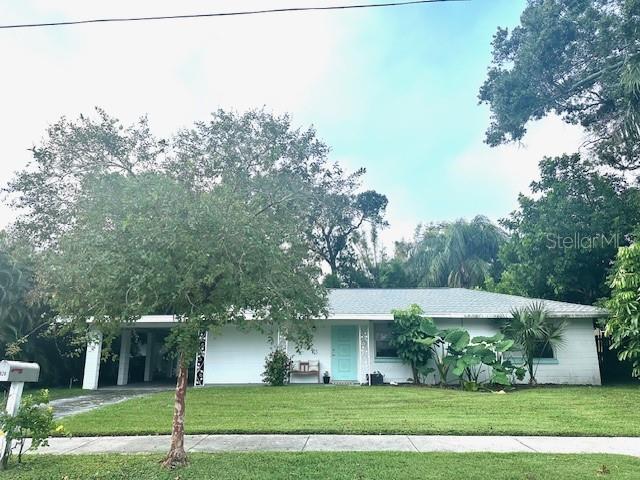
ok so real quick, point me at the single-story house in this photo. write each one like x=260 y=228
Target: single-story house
x=354 y=340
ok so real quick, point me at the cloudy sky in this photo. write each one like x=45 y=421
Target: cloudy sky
x=393 y=90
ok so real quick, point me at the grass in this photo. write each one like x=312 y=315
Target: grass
x=568 y=411
x=58 y=393
x=389 y=466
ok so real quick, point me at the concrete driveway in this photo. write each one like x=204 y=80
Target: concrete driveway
x=101 y=397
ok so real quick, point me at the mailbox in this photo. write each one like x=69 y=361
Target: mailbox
x=19 y=371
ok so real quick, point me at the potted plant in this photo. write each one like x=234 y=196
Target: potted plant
x=326 y=378
x=376 y=378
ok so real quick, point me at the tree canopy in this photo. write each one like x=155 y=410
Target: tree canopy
x=578 y=59
x=455 y=254
x=210 y=226
x=564 y=237
x=147 y=244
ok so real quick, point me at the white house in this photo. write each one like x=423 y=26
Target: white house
x=354 y=339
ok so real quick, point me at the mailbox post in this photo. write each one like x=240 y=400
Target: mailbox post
x=17 y=373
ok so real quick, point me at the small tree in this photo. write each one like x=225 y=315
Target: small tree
x=410 y=325
x=148 y=244
x=34 y=420
x=532 y=329
x=623 y=325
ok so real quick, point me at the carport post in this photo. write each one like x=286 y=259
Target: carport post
x=92 y=361
x=123 y=360
x=148 y=361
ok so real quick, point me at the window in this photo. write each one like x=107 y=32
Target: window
x=382 y=334
x=543 y=350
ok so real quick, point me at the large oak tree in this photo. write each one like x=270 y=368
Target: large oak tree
x=579 y=59
x=565 y=236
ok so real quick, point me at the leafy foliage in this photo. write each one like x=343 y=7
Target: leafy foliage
x=277 y=367
x=477 y=356
x=454 y=351
x=578 y=59
x=336 y=219
x=531 y=327
x=34 y=420
x=623 y=325
x=564 y=237
x=207 y=226
x=26 y=328
x=73 y=151
x=373 y=267
x=408 y=326
x=147 y=244
x=456 y=254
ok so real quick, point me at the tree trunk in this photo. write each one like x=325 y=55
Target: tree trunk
x=416 y=374
x=177 y=457
x=532 y=374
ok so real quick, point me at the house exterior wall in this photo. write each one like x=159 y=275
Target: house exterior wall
x=576 y=360
x=237 y=357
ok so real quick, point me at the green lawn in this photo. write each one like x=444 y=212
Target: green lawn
x=607 y=411
x=387 y=466
x=58 y=393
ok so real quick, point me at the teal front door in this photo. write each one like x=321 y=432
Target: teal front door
x=344 y=352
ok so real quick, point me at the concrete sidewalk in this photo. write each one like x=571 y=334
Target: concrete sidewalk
x=346 y=443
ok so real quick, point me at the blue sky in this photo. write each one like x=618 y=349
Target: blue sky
x=393 y=90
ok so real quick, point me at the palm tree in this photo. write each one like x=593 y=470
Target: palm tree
x=457 y=254
x=533 y=330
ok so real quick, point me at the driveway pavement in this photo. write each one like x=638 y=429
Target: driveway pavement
x=98 y=398
x=347 y=443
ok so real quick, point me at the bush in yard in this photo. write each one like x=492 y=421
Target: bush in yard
x=531 y=329
x=478 y=355
x=34 y=420
x=623 y=326
x=277 y=367
x=408 y=326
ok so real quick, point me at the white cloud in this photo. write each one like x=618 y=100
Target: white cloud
x=175 y=71
x=179 y=71
x=503 y=172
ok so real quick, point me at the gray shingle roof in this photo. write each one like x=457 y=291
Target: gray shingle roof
x=445 y=302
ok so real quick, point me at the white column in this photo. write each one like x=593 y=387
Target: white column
x=92 y=361
x=365 y=358
x=125 y=353
x=148 y=361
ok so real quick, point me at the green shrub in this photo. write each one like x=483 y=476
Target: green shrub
x=623 y=326
x=34 y=420
x=478 y=355
x=409 y=326
x=277 y=367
